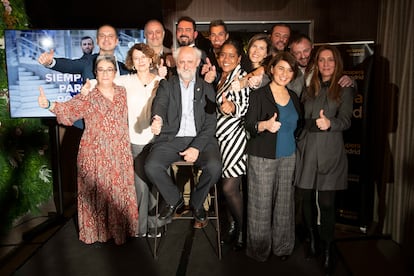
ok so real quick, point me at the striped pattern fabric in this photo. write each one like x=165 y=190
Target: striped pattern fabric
x=230 y=132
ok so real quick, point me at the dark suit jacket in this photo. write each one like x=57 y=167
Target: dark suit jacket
x=84 y=66
x=167 y=104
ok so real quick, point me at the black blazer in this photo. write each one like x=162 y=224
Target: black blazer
x=84 y=66
x=167 y=104
x=262 y=106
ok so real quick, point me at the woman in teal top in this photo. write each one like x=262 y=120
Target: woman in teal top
x=271 y=120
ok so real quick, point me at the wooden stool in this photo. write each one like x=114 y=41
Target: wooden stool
x=212 y=199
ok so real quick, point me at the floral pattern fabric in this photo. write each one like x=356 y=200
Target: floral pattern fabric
x=107 y=203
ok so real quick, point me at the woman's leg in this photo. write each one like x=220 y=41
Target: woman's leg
x=326 y=200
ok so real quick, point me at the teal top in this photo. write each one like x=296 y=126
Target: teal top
x=288 y=117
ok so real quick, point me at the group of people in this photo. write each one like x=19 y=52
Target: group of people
x=270 y=118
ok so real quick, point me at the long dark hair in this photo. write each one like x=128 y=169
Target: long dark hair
x=334 y=90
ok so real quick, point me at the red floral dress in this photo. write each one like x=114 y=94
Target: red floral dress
x=107 y=202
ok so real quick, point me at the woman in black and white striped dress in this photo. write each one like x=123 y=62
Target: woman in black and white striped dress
x=232 y=103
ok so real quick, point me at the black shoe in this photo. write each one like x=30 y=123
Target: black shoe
x=284 y=258
x=329 y=259
x=232 y=229
x=231 y=233
x=312 y=244
x=200 y=217
x=169 y=210
x=240 y=244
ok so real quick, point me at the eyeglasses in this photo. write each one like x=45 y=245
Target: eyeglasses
x=102 y=71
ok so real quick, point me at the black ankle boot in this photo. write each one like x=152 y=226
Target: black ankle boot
x=329 y=259
x=313 y=245
x=231 y=234
x=239 y=245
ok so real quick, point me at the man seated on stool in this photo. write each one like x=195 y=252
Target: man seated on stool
x=184 y=124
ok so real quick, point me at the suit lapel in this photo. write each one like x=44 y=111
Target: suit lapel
x=177 y=95
x=269 y=95
x=198 y=89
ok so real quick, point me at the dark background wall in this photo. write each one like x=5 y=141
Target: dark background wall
x=90 y=14
x=333 y=21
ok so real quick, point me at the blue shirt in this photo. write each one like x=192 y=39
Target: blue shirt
x=187 y=124
x=288 y=117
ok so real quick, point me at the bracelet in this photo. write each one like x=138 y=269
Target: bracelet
x=48 y=105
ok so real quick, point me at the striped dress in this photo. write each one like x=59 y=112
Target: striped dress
x=230 y=132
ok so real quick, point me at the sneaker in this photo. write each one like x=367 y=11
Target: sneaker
x=151 y=233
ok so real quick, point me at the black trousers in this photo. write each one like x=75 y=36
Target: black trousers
x=163 y=154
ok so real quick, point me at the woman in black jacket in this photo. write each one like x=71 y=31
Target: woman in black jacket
x=272 y=120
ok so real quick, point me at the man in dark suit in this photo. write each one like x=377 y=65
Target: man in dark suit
x=184 y=124
x=106 y=39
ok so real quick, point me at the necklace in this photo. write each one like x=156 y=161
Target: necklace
x=145 y=80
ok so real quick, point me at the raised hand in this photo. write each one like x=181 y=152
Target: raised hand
x=323 y=123
x=46 y=58
x=255 y=81
x=272 y=125
x=227 y=106
x=210 y=72
x=236 y=86
x=86 y=87
x=162 y=69
x=42 y=100
x=206 y=67
x=169 y=61
x=156 y=125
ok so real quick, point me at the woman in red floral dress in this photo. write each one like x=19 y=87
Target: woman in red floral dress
x=107 y=203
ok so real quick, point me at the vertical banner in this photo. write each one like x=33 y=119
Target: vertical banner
x=354 y=206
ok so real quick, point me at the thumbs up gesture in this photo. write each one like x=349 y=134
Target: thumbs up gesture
x=272 y=125
x=206 y=67
x=46 y=58
x=86 y=87
x=156 y=125
x=236 y=86
x=227 y=106
x=323 y=123
x=255 y=81
x=42 y=100
x=209 y=71
x=162 y=69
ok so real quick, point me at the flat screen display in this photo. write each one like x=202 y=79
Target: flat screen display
x=25 y=74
